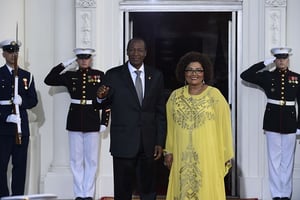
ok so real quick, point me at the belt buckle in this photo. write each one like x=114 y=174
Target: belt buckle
x=282 y=102
x=82 y=101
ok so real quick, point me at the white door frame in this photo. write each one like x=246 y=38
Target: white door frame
x=235 y=39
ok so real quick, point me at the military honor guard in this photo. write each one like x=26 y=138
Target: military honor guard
x=17 y=94
x=83 y=122
x=280 y=122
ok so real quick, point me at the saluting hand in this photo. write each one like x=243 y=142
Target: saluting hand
x=102 y=91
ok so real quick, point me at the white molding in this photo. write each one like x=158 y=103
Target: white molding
x=85 y=4
x=148 y=6
x=275 y=27
x=275 y=3
x=86 y=26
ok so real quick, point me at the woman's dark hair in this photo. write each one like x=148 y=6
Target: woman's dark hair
x=194 y=56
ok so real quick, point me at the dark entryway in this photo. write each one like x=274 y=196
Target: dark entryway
x=168 y=36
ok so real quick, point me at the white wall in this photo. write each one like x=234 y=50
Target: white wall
x=252 y=158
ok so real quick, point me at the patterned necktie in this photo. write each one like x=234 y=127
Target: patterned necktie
x=138 y=86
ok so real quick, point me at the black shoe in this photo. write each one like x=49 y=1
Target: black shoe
x=276 y=198
x=88 y=198
x=285 y=198
x=79 y=198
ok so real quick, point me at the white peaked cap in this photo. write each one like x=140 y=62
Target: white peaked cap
x=281 y=50
x=9 y=42
x=89 y=51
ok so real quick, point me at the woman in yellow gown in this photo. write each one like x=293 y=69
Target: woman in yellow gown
x=199 y=138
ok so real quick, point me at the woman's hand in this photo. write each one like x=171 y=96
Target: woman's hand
x=168 y=160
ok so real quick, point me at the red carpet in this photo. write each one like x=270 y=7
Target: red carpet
x=163 y=198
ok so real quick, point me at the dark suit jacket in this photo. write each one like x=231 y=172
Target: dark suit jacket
x=133 y=125
x=26 y=89
x=277 y=86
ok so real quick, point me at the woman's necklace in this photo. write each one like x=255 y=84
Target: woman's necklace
x=194 y=90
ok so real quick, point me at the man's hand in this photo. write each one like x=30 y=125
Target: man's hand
x=102 y=91
x=102 y=128
x=68 y=66
x=269 y=61
x=157 y=152
x=168 y=160
x=69 y=62
x=17 y=100
x=12 y=118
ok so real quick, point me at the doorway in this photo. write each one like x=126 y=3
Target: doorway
x=169 y=35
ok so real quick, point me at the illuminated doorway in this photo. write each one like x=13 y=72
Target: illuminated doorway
x=170 y=34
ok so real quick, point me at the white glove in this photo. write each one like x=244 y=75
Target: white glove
x=12 y=118
x=298 y=132
x=102 y=128
x=68 y=66
x=269 y=61
x=17 y=100
x=69 y=62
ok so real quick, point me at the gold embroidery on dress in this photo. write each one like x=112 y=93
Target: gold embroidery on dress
x=191 y=113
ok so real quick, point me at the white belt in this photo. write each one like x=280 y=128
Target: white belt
x=5 y=102
x=281 y=102
x=82 y=101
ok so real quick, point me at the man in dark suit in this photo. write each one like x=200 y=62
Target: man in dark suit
x=10 y=121
x=138 y=124
x=282 y=88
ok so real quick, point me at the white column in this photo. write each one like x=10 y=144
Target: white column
x=33 y=160
x=86 y=23
x=250 y=144
x=275 y=24
x=59 y=178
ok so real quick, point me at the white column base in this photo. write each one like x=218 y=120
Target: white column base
x=59 y=183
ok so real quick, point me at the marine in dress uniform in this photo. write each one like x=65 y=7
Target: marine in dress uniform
x=83 y=121
x=280 y=122
x=25 y=98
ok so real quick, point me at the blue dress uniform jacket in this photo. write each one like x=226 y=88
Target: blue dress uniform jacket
x=82 y=85
x=282 y=86
x=26 y=89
